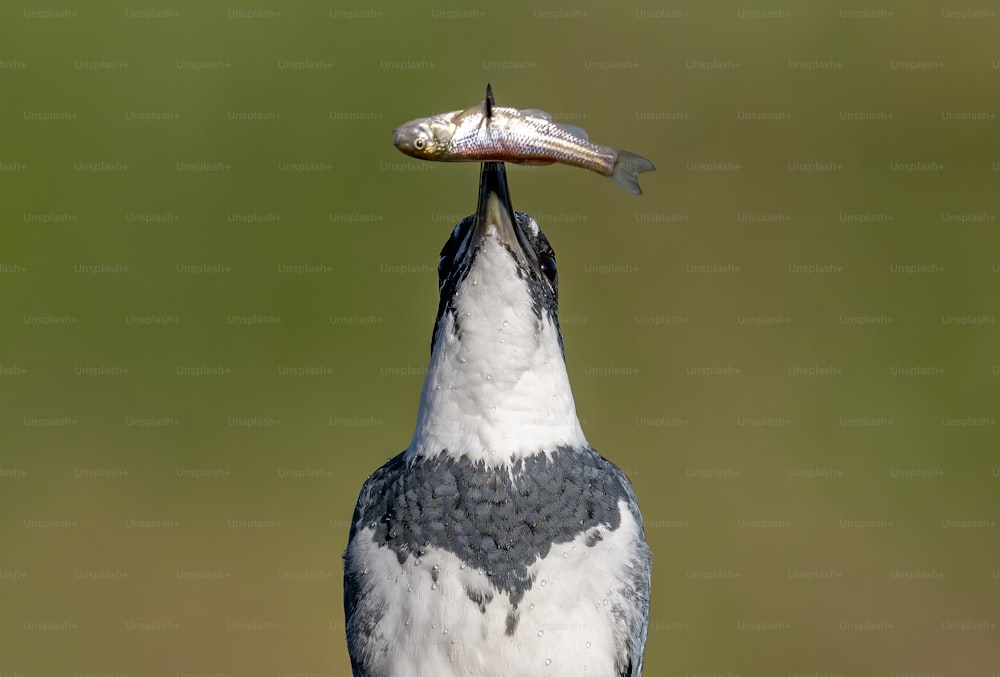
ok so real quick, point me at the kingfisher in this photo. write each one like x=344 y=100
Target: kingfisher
x=499 y=543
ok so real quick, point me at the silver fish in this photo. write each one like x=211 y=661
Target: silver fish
x=488 y=133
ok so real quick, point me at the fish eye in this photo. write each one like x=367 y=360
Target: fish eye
x=547 y=263
x=419 y=142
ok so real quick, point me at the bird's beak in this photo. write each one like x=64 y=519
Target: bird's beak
x=494 y=215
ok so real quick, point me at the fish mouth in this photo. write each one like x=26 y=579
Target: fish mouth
x=399 y=140
x=402 y=138
x=495 y=216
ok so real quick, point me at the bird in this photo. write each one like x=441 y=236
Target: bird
x=499 y=542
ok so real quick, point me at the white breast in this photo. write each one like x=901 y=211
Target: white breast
x=566 y=623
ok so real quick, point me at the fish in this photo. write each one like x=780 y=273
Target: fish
x=489 y=133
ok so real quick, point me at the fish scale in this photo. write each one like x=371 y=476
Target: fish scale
x=527 y=139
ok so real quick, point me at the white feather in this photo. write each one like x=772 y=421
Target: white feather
x=567 y=625
x=500 y=391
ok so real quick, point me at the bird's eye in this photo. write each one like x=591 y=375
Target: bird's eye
x=419 y=143
x=547 y=263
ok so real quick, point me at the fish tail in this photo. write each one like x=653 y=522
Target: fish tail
x=628 y=166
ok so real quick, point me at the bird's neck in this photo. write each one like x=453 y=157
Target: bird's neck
x=496 y=388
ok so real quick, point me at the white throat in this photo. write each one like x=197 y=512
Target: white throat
x=499 y=392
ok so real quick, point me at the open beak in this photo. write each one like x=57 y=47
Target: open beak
x=494 y=214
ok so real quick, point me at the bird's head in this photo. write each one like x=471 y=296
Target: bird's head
x=496 y=388
x=498 y=264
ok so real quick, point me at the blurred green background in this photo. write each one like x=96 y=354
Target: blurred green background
x=218 y=283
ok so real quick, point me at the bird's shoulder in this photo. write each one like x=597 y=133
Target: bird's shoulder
x=376 y=487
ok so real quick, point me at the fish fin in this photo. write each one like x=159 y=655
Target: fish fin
x=628 y=166
x=536 y=113
x=576 y=131
x=489 y=101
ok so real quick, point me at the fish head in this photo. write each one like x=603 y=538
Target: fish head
x=426 y=138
